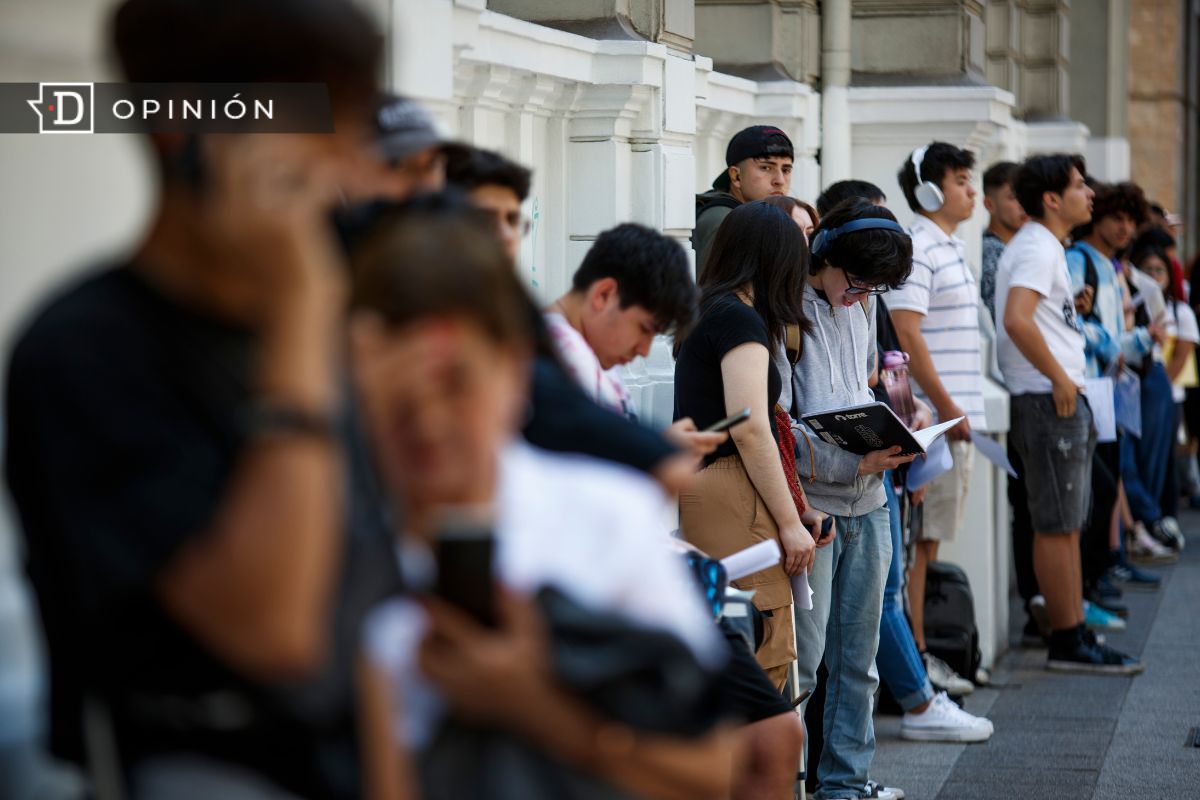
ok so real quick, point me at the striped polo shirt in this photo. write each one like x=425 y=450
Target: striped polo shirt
x=943 y=288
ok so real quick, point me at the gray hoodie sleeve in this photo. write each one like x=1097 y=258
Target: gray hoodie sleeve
x=831 y=463
x=872 y=334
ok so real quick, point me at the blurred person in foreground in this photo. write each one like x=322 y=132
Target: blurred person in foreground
x=457 y=707
x=767 y=746
x=201 y=525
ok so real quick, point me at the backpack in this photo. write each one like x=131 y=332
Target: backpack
x=1090 y=276
x=950 y=632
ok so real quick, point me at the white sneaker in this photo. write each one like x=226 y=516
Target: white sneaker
x=1146 y=549
x=943 y=721
x=944 y=678
x=877 y=791
x=1169 y=528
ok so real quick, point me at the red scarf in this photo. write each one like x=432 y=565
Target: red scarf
x=787 y=454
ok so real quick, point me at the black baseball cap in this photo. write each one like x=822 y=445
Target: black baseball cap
x=757 y=141
x=403 y=128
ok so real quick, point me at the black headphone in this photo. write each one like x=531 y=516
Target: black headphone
x=822 y=243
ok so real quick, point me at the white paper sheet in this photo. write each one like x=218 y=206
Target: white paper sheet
x=802 y=593
x=753 y=559
x=927 y=435
x=937 y=460
x=993 y=451
x=1099 y=393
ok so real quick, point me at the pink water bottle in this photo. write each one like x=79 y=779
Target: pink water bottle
x=895 y=381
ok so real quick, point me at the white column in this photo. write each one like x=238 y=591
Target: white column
x=835 y=72
x=887 y=124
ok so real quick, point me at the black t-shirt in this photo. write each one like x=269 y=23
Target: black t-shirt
x=725 y=323
x=125 y=418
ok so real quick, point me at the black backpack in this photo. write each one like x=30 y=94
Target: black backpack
x=950 y=632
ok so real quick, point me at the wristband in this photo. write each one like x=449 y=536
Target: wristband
x=267 y=418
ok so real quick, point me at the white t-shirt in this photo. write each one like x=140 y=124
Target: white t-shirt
x=1180 y=325
x=942 y=289
x=606 y=387
x=1035 y=259
x=590 y=528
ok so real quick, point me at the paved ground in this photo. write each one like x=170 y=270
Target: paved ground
x=1072 y=737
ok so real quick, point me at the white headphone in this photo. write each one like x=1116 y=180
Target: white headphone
x=929 y=195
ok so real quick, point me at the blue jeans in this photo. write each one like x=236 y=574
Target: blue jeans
x=847 y=579
x=1144 y=461
x=899 y=661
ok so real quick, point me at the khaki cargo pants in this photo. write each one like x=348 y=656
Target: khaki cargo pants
x=723 y=513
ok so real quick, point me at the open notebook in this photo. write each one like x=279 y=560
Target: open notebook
x=872 y=426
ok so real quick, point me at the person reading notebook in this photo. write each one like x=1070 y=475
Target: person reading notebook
x=864 y=428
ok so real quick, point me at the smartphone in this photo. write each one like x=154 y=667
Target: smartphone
x=464 y=551
x=826 y=528
x=729 y=422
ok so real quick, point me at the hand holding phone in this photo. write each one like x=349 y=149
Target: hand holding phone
x=729 y=422
x=464 y=551
x=826 y=534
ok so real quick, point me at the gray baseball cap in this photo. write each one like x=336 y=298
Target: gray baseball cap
x=403 y=128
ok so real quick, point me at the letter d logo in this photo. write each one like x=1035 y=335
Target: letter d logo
x=64 y=107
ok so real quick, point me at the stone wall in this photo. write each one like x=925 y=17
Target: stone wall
x=1156 y=96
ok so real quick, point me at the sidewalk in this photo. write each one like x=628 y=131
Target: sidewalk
x=1072 y=737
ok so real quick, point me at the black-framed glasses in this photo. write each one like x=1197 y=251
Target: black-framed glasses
x=857 y=291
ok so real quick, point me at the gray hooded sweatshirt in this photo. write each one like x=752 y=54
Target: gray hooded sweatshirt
x=839 y=355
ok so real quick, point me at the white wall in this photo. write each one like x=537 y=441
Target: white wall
x=66 y=202
x=615 y=131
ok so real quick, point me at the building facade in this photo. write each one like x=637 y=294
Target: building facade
x=623 y=108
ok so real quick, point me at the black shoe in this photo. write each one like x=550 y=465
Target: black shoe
x=1031 y=635
x=1080 y=652
x=1107 y=590
x=1132 y=577
x=1108 y=604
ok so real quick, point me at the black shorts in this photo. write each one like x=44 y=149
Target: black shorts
x=747 y=695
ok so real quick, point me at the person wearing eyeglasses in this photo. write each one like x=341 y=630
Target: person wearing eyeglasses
x=858 y=251
x=497 y=187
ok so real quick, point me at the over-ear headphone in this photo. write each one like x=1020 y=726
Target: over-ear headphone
x=822 y=243
x=929 y=194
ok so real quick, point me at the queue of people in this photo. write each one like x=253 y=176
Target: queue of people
x=319 y=503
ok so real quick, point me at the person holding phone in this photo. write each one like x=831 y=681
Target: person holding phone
x=197 y=522
x=750 y=290
x=435 y=296
x=634 y=284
